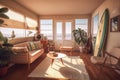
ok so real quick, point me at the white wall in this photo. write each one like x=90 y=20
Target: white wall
x=113 y=39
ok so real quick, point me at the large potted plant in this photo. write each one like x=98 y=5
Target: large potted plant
x=80 y=37
x=5 y=54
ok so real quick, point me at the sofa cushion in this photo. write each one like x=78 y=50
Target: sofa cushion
x=31 y=46
x=38 y=45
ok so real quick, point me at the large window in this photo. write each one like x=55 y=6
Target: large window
x=59 y=30
x=46 y=28
x=81 y=23
x=8 y=32
x=68 y=30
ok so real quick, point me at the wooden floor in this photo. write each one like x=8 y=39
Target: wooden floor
x=20 y=71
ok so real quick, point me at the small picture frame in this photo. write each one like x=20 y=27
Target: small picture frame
x=115 y=24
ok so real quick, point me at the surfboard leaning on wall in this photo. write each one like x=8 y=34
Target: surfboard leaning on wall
x=102 y=34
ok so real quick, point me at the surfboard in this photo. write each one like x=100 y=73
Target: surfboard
x=102 y=34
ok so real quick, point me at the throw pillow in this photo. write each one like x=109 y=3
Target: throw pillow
x=31 y=46
x=36 y=45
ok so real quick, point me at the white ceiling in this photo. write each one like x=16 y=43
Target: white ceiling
x=60 y=7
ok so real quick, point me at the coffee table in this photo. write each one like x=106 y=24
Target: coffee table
x=59 y=56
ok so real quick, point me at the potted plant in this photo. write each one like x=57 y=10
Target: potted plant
x=80 y=37
x=5 y=47
x=5 y=54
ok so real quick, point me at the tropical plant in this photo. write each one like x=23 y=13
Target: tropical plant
x=5 y=50
x=3 y=15
x=5 y=47
x=80 y=36
x=5 y=54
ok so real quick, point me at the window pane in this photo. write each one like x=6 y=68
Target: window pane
x=7 y=32
x=46 y=28
x=68 y=26
x=46 y=21
x=30 y=33
x=59 y=30
x=81 y=23
x=95 y=25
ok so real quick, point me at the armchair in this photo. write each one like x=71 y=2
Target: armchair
x=111 y=58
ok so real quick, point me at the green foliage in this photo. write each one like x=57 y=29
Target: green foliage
x=5 y=47
x=80 y=36
x=5 y=51
x=1 y=37
x=3 y=15
x=3 y=11
x=4 y=39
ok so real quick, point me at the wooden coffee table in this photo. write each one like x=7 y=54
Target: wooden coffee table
x=60 y=56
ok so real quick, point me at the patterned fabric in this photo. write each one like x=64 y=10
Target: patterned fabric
x=38 y=45
x=31 y=46
x=20 y=49
x=35 y=45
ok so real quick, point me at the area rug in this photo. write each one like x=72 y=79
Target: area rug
x=73 y=69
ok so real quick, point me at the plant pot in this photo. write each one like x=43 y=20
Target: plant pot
x=3 y=70
x=81 y=49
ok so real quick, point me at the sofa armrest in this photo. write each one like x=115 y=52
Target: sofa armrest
x=20 y=49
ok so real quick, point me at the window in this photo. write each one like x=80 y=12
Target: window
x=7 y=32
x=30 y=33
x=95 y=25
x=81 y=23
x=46 y=28
x=68 y=26
x=59 y=30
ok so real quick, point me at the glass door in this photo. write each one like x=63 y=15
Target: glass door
x=63 y=30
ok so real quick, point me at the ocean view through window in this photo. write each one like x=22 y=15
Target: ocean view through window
x=81 y=23
x=7 y=32
x=68 y=30
x=46 y=28
x=59 y=31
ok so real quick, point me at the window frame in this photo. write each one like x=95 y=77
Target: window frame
x=81 y=24
x=47 y=30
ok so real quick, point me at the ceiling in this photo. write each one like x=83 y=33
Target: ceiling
x=60 y=7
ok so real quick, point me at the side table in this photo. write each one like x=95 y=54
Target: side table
x=45 y=45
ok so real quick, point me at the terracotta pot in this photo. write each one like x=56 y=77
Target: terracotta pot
x=81 y=49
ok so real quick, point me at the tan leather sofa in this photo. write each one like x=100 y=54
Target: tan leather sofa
x=24 y=55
